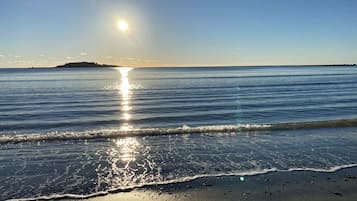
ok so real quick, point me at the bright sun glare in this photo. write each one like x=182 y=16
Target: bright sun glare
x=122 y=25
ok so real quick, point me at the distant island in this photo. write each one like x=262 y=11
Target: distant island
x=85 y=65
x=96 y=65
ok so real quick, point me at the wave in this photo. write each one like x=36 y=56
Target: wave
x=114 y=133
x=180 y=180
x=126 y=132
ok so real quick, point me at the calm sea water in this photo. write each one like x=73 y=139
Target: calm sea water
x=91 y=131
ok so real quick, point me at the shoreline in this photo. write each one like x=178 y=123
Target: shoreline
x=278 y=185
x=295 y=184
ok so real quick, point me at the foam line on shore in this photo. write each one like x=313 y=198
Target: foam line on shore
x=181 y=180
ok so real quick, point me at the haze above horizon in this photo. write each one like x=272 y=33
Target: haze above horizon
x=177 y=33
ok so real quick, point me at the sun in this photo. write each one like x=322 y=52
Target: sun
x=123 y=25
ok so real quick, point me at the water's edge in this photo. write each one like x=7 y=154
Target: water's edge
x=181 y=180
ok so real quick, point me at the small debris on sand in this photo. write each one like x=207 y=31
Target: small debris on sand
x=337 y=193
x=204 y=184
x=350 y=177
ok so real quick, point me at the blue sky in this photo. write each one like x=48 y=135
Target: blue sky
x=178 y=32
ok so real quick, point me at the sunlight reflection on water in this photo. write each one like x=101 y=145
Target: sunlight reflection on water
x=122 y=163
x=127 y=149
x=125 y=91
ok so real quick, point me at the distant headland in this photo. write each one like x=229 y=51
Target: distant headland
x=84 y=65
x=97 y=65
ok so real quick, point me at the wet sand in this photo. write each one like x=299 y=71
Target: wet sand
x=296 y=185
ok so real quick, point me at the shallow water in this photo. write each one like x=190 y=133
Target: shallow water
x=212 y=118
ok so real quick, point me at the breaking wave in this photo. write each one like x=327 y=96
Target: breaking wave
x=115 y=133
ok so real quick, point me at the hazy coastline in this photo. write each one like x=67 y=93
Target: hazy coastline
x=85 y=64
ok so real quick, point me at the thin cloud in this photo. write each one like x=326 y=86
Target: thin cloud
x=83 y=54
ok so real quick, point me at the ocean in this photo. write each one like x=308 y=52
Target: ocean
x=77 y=133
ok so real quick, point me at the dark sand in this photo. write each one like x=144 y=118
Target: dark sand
x=296 y=185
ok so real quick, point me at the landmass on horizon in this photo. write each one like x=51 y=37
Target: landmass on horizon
x=85 y=65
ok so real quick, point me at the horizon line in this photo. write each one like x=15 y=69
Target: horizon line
x=187 y=66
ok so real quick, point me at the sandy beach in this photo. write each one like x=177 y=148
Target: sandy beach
x=296 y=185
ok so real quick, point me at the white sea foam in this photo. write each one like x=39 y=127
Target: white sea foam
x=115 y=133
x=181 y=180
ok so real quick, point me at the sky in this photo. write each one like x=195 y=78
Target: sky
x=45 y=33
